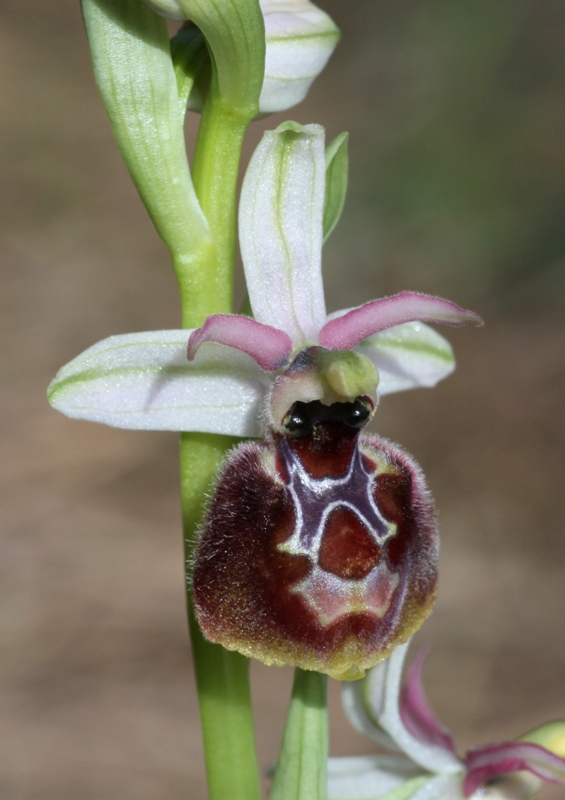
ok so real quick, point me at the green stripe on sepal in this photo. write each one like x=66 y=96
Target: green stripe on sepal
x=409 y=356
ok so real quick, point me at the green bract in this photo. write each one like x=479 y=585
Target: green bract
x=134 y=73
x=234 y=31
x=337 y=168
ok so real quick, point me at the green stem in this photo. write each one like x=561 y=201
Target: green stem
x=301 y=768
x=222 y=676
x=214 y=174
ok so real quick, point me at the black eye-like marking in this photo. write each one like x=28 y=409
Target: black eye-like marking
x=353 y=414
x=298 y=421
x=302 y=418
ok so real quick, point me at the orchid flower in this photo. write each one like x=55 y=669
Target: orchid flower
x=425 y=764
x=144 y=381
x=319 y=547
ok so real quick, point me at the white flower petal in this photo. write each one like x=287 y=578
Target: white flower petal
x=359 y=712
x=369 y=777
x=300 y=38
x=381 y=688
x=280 y=230
x=143 y=380
x=408 y=356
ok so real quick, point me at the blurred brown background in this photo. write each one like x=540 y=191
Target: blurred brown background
x=456 y=112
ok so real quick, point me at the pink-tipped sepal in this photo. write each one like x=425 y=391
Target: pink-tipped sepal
x=268 y=346
x=485 y=764
x=415 y=711
x=347 y=330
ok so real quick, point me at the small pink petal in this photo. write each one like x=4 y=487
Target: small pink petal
x=343 y=333
x=484 y=763
x=416 y=714
x=268 y=346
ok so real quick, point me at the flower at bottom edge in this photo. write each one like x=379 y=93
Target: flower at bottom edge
x=425 y=765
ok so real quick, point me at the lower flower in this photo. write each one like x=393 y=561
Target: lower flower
x=425 y=765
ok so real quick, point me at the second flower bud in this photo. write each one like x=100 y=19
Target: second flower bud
x=300 y=39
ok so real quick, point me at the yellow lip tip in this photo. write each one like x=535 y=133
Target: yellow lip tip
x=354 y=673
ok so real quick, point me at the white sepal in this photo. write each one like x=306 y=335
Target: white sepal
x=408 y=356
x=381 y=691
x=443 y=787
x=144 y=381
x=360 y=714
x=370 y=777
x=280 y=230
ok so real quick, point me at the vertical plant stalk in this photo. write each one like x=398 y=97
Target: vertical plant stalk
x=301 y=772
x=222 y=676
x=214 y=173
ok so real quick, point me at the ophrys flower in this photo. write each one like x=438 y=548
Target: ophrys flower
x=320 y=547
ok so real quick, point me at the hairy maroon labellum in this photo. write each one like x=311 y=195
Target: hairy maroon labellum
x=320 y=545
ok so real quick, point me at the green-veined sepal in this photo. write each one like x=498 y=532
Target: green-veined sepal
x=144 y=381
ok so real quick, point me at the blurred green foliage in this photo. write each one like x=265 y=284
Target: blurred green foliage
x=457 y=112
